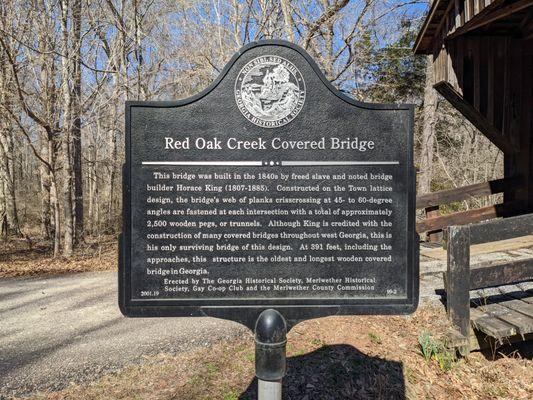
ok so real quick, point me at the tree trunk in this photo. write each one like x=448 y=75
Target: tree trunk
x=57 y=221
x=428 y=132
x=113 y=159
x=46 y=182
x=66 y=142
x=287 y=20
x=428 y=147
x=9 y=222
x=76 y=121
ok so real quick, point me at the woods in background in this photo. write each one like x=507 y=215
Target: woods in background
x=67 y=66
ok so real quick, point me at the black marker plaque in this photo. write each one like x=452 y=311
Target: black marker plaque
x=270 y=189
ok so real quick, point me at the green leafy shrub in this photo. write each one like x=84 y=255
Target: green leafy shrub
x=435 y=349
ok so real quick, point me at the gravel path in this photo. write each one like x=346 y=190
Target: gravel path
x=65 y=329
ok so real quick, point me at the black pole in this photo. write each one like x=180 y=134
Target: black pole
x=270 y=358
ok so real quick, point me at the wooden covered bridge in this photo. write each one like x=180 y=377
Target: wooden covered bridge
x=482 y=53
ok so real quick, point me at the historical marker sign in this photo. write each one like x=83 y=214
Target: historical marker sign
x=270 y=189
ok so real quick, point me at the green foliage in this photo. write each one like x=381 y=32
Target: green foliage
x=424 y=339
x=318 y=342
x=299 y=352
x=397 y=74
x=435 y=349
x=232 y=395
x=444 y=358
x=211 y=368
x=374 y=338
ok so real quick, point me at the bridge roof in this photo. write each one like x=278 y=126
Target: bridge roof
x=448 y=19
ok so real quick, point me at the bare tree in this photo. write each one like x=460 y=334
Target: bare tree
x=426 y=164
x=67 y=66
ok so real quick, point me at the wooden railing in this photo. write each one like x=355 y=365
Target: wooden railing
x=431 y=202
x=460 y=278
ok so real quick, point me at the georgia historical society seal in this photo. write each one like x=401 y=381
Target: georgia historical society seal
x=270 y=91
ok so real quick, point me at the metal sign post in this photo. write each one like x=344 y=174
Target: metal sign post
x=270 y=357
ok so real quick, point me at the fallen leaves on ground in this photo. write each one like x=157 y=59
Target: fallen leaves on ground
x=360 y=357
x=25 y=257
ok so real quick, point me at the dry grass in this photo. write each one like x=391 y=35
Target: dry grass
x=370 y=357
x=331 y=358
x=23 y=257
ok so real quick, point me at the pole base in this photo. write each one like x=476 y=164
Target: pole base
x=268 y=390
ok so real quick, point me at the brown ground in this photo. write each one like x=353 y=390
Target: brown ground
x=331 y=358
x=23 y=257
x=371 y=357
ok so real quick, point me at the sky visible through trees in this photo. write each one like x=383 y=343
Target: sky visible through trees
x=67 y=66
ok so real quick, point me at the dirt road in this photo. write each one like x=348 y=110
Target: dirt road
x=60 y=329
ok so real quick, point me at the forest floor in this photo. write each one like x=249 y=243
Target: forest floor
x=29 y=257
x=370 y=357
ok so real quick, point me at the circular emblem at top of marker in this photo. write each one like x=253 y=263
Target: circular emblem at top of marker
x=270 y=91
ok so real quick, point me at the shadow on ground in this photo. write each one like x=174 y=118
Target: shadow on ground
x=338 y=372
x=516 y=346
x=520 y=349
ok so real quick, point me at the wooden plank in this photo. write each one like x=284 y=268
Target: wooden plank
x=454 y=340
x=490 y=83
x=451 y=75
x=458 y=278
x=442 y=27
x=491 y=326
x=510 y=296
x=516 y=87
x=527 y=117
x=465 y=192
x=485 y=296
x=474 y=116
x=480 y=341
x=528 y=300
x=526 y=287
x=476 y=7
x=509 y=68
x=525 y=158
x=483 y=248
x=465 y=217
x=483 y=77
x=502 y=245
x=426 y=35
x=501 y=229
x=451 y=18
x=433 y=236
x=457 y=6
x=490 y=16
x=518 y=291
x=468 y=72
x=468 y=12
x=522 y=296
x=459 y=55
x=521 y=322
x=499 y=78
x=526 y=26
x=520 y=306
x=476 y=72
x=500 y=274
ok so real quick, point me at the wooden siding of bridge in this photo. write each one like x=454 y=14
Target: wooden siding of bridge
x=483 y=64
